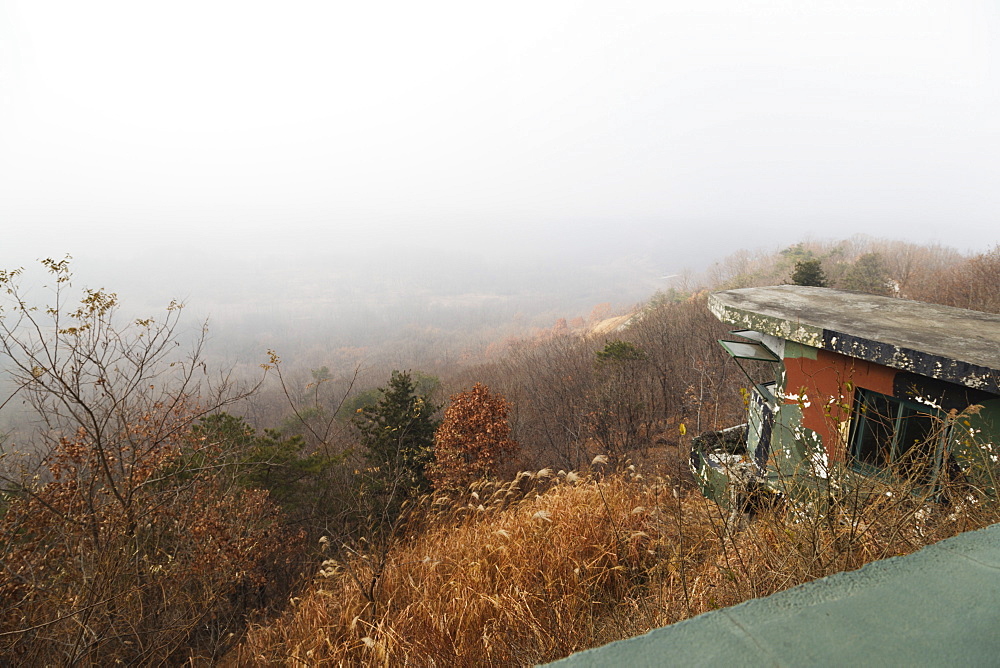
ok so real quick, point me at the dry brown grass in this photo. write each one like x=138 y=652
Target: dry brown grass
x=794 y=543
x=521 y=572
x=534 y=569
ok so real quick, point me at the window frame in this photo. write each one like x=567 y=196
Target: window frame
x=892 y=463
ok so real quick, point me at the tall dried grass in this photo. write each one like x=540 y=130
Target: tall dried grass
x=533 y=569
x=513 y=573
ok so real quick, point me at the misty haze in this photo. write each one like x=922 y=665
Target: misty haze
x=378 y=333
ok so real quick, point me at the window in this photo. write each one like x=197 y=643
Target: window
x=749 y=350
x=894 y=435
x=760 y=422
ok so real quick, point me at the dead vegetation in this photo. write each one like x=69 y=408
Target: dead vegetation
x=549 y=563
x=139 y=541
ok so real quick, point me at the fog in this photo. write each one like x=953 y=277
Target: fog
x=312 y=175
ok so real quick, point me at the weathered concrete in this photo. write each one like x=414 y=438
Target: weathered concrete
x=935 y=607
x=951 y=344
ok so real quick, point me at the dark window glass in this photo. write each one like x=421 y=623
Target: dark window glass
x=876 y=425
x=915 y=443
x=889 y=434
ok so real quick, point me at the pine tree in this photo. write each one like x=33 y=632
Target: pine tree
x=809 y=272
x=397 y=437
x=867 y=274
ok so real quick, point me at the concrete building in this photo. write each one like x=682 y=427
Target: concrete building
x=857 y=388
x=853 y=389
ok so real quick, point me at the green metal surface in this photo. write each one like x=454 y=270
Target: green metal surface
x=936 y=607
x=749 y=351
x=795 y=350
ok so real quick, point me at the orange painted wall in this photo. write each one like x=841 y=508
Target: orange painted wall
x=826 y=378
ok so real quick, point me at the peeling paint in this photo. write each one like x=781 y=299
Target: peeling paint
x=928 y=402
x=955 y=345
x=865 y=351
x=820 y=464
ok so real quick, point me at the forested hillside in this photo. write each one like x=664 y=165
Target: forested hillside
x=507 y=504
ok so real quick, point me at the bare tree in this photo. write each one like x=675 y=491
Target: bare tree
x=129 y=539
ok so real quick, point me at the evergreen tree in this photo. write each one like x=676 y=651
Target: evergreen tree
x=619 y=351
x=867 y=274
x=809 y=272
x=294 y=478
x=397 y=437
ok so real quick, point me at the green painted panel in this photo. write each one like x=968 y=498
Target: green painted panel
x=936 y=607
x=795 y=350
x=975 y=445
x=787 y=448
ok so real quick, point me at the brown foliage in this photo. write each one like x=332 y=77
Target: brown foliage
x=473 y=440
x=131 y=540
x=973 y=284
x=507 y=576
x=531 y=570
x=162 y=560
x=567 y=408
x=135 y=542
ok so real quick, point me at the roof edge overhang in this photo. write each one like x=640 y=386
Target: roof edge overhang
x=878 y=352
x=783 y=329
x=914 y=361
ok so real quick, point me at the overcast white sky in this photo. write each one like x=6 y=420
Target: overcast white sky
x=134 y=127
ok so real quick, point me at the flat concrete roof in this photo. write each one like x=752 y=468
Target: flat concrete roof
x=935 y=607
x=952 y=344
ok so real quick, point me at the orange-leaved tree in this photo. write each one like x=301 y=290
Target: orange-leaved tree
x=474 y=439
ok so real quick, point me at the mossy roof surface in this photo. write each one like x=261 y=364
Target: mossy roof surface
x=953 y=344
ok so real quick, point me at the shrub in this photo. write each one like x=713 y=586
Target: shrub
x=473 y=440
